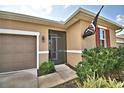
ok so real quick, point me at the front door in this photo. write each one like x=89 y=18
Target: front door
x=57 y=46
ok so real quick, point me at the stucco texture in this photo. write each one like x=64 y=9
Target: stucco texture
x=73 y=37
x=43 y=29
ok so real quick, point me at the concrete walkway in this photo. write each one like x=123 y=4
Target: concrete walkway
x=63 y=74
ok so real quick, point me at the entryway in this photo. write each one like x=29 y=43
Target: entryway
x=57 y=46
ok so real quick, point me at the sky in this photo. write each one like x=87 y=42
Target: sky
x=62 y=12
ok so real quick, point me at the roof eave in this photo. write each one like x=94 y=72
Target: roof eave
x=30 y=19
x=93 y=15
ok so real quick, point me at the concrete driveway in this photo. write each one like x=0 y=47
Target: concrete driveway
x=63 y=74
x=19 y=79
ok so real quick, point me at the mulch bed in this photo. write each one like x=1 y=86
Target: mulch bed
x=69 y=84
x=71 y=67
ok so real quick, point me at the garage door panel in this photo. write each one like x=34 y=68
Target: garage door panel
x=17 y=52
x=19 y=58
x=15 y=45
x=18 y=62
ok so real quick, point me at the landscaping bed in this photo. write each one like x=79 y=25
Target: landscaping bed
x=69 y=84
x=101 y=68
x=46 y=68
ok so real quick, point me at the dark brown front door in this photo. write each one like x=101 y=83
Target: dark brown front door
x=57 y=46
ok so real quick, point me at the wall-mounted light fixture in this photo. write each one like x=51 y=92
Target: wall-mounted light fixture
x=43 y=39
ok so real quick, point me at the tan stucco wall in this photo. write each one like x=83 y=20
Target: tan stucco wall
x=112 y=38
x=74 y=37
x=73 y=58
x=89 y=42
x=74 y=43
x=121 y=40
x=120 y=44
x=43 y=58
x=73 y=33
x=9 y=24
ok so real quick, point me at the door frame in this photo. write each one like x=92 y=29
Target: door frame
x=65 y=43
x=23 y=32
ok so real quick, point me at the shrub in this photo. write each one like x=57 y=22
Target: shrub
x=100 y=61
x=99 y=82
x=119 y=55
x=46 y=68
x=83 y=70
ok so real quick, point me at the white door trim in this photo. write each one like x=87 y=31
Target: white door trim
x=22 y=32
x=38 y=62
x=18 y=32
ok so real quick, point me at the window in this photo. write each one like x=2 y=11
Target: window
x=102 y=38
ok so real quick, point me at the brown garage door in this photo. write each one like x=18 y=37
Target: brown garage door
x=17 y=52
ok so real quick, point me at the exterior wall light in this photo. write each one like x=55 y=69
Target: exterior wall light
x=43 y=39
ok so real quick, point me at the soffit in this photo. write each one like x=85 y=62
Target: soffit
x=30 y=19
x=88 y=17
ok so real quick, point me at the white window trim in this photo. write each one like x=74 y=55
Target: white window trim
x=121 y=42
x=103 y=27
x=22 y=32
x=105 y=45
x=105 y=39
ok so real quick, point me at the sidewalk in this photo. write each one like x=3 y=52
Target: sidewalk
x=63 y=74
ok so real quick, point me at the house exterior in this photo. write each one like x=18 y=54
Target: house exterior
x=42 y=39
x=120 y=40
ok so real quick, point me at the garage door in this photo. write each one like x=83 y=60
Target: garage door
x=17 y=52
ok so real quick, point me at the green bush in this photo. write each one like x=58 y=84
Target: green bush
x=119 y=55
x=100 y=61
x=46 y=68
x=99 y=82
x=83 y=70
